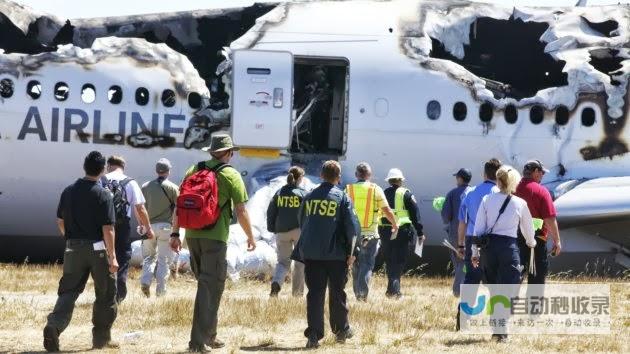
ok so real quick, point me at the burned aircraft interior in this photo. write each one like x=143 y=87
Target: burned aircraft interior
x=509 y=56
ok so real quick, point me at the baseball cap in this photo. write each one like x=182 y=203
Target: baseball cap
x=532 y=165
x=163 y=165
x=463 y=173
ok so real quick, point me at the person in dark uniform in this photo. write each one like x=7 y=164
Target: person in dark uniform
x=85 y=218
x=396 y=248
x=329 y=230
x=282 y=219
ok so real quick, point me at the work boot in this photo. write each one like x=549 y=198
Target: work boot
x=202 y=348
x=312 y=342
x=51 y=339
x=215 y=343
x=343 y=335
x=275 y=289
x=146 y=290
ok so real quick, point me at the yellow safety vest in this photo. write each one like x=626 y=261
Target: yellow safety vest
x=402 y=214
x=364 y=200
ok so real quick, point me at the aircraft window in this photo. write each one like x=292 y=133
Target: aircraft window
x=194 y=100
x=485 y=112
x=88 y=93
x=511 y=115
x=434 y=110
x=114 y=94
x=168 y=98
x=34 y=89
x=460 y=111
x=61 y=91
x=536 y=114
x=142 y=96
x=588 y=117
x=562 y=115
x=6 y=88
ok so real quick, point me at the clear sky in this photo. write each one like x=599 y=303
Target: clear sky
x=100 y=8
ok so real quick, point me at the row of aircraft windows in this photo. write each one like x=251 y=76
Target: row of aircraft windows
x=486 y=111
x=88 y=93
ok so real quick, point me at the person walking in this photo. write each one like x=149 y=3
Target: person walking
x=449 y=215
x=541 y=206
x=329 y=227
x=282 y=219
x=397 y=247
x=160 y=195
x=368 y=200
x=208 y=243
x=500 y=217
x=127 y=195
x=467 y=215
x=85 y=217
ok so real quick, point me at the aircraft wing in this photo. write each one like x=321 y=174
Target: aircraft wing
x=595 y=201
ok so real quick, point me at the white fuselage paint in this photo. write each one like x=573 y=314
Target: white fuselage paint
x=34 y=172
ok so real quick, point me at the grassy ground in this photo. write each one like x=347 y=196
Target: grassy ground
x=423 y=321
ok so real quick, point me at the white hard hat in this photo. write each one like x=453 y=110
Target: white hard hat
x=395 y=173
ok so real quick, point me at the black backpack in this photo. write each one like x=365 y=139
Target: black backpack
x=121 y=203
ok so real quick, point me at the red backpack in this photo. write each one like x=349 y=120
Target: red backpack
x=198 y=201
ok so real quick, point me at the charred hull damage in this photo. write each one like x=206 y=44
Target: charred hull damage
x=528 y=57
x=496 y=47
x=198 y=35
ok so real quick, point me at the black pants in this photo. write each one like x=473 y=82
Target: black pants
x=79 y=262
x=540 y=260
x=123 y=255
x=396 y=253
x=318 y=276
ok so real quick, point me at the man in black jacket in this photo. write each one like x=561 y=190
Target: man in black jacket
x=329 y=230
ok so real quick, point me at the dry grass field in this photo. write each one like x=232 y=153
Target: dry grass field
x=422 y=322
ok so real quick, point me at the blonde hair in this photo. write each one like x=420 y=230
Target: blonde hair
x=507 y=179
x=295 y=173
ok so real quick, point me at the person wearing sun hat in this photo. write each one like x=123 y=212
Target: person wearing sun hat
x=208 y=246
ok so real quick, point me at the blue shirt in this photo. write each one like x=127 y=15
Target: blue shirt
x=450 y=211
x=470 y=204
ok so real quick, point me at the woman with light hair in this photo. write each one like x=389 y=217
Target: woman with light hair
x=496 y=228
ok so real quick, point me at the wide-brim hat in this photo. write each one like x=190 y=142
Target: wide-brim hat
x=219 y=143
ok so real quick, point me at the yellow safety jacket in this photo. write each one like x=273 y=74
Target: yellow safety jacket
x=364 y=200
x=402 y=214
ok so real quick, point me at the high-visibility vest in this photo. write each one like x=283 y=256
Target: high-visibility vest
x=364 y=200
x=402 y=214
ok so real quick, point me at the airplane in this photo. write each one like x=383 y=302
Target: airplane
x=425 y=86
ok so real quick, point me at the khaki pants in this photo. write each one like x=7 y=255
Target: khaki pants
x=156 y=254
x=80 y=260
x=284 y=244
x=207 y=260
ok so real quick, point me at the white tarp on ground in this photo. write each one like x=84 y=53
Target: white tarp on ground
x=259 y=263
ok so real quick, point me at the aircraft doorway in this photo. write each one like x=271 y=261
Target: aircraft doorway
x=320 y=96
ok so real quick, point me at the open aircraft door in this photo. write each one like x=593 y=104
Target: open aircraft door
x=262 y=92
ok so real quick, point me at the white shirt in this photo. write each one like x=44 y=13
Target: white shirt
x=516 y=213
x=132 y=189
